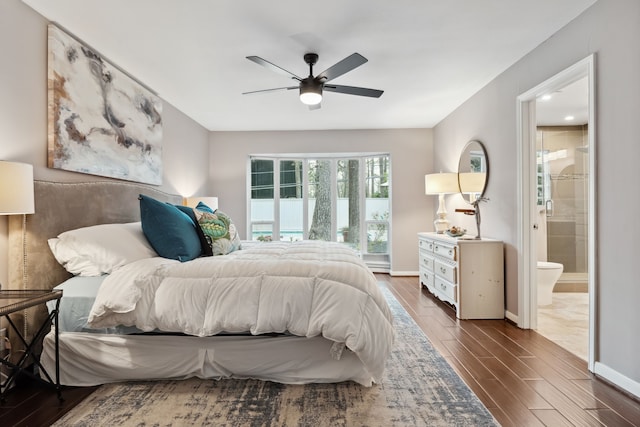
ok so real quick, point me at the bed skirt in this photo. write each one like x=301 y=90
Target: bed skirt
x=91 y=359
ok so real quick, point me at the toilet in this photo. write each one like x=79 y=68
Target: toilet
x=548 y=275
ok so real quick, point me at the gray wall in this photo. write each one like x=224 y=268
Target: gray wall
x=23 y=115
x=411 y=158
x=611 y=30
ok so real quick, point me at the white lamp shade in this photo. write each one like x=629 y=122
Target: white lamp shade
x=441 y=183
x=472 y=182
x=212 y=202
x=16 y=188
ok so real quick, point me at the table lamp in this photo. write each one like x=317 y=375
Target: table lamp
x=441 y=184
x=192 y=202
x=16 y=188
x=16 y=197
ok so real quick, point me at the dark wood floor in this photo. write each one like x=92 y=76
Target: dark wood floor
x=32 y=404
x=521 y=377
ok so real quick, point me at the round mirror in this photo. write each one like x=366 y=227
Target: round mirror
x=473 y=171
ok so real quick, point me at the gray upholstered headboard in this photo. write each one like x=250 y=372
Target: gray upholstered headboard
x=65 y=206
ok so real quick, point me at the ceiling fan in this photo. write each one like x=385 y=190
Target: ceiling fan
x=311 y=87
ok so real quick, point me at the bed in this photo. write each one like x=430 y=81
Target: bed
x=290 y=313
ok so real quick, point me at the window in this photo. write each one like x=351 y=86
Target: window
x=335 y=198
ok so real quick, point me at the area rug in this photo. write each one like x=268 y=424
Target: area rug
x=419 y=389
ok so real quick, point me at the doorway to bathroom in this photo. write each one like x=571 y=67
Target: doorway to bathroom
x=562 y=206
x=557 y=234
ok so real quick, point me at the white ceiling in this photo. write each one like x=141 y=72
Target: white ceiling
x=429 y=56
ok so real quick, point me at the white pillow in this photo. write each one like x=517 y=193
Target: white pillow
x=101 y=249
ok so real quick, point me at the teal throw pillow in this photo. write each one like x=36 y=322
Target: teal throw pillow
x=204 y=207
x=171 y=232
x=204 y=243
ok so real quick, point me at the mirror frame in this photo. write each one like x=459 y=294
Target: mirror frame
x=471 y=146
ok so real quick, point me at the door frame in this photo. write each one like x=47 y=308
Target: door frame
x=527 y=215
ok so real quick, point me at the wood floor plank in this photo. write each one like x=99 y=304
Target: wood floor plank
x=569 y=368
x=465 y=357
x=609 y=418
x=468 y=378
x=33 y=404
x=627 y=407
x=435 y=334
x=519 y=388
x=514 y=363
x=484 y=397
x=518 y=414
x=50 y=408
x=563 y=404
x=470 y=342
x=551 y=418
x=581 y=397
x=497 y=333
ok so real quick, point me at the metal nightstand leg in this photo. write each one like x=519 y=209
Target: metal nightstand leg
x=52 y=319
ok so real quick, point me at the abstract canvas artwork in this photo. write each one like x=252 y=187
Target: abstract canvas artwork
x=101 y=121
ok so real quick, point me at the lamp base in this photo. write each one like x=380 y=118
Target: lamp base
x=441 y=225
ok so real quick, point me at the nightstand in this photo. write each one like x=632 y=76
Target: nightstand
x=13 y=301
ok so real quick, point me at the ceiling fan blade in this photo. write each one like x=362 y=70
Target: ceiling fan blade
x=271 y=90
x=352 y=90
x=315 y=106
x=347 y=64
x=273 y=67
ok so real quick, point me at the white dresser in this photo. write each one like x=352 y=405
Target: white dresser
x=468 y=274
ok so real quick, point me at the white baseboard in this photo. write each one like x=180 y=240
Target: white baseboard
x=617 y=379
x=404 y=273
x=509 y=315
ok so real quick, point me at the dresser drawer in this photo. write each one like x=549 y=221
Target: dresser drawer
x=446 y=290
x=426 y=245
x=445 y=251
x=427 y=279
x=446 y=271
x=426 y=261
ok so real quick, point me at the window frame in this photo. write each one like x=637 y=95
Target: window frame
x=375 y=258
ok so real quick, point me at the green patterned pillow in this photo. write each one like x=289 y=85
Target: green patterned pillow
x=220 y=232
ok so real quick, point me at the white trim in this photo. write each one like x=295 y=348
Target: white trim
x=593 y=247
x=617 y=379
x=404 y=273
x=524 y=207
x=509 y=315
x=527 y=297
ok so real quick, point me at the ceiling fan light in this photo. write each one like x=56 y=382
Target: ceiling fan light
x=310 y=94
x=310 y=98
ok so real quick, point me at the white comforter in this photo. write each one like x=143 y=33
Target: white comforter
x=304 y=288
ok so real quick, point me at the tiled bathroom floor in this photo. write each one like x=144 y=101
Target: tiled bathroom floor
x=566 y=322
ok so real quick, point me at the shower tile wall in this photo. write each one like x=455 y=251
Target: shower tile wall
x=567 y=228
